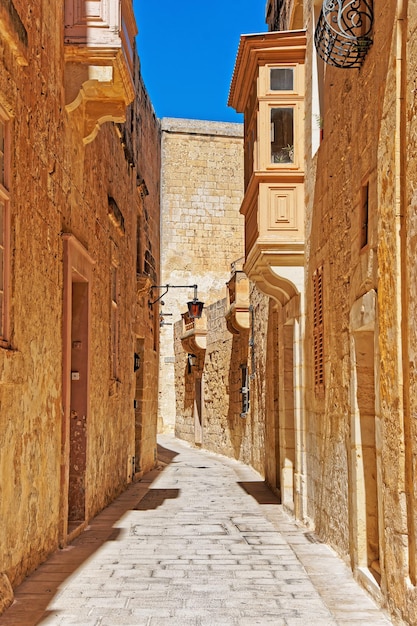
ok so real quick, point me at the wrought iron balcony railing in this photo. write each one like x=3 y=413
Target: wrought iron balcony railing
x=343 y=32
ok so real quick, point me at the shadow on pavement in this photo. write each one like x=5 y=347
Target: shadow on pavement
x=165 y=456
x=155 y=498
x=34 y=594
x=260 y=491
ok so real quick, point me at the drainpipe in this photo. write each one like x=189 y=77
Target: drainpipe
x=406 y=498
x=402 y=285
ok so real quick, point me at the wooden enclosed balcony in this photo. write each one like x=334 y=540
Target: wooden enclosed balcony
x=268 y=86
x=99 y=54
x=194 y=334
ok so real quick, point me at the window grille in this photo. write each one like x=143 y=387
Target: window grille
x=343 y=32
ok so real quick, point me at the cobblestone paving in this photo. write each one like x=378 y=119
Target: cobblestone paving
x=189 y=546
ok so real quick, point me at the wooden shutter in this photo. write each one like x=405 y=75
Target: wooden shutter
x=318 y=333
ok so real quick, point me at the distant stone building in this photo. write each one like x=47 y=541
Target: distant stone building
x=79 y=248
x=201 y=231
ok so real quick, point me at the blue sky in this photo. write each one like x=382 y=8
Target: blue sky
x=188 y=50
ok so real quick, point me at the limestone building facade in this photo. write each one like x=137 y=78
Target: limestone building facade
x=79 y=246
x=359 y=425
x=350 y=473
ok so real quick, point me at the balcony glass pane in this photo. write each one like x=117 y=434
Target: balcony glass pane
x=282 y=79
x=282 y=135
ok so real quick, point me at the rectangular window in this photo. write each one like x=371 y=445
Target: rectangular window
x=282 y=79
x=282 y=135
x=4 y=229
x=364 y=215
x=244 y=390
x=318 y=331
x=114 y=322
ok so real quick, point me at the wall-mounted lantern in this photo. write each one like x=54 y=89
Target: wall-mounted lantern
x=192 y=362
x=195 y=307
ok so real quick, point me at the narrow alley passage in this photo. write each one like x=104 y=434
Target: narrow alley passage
x=199 y=541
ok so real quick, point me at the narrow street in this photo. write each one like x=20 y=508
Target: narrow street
x=199 y=541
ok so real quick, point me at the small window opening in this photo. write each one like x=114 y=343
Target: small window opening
x=282 y=79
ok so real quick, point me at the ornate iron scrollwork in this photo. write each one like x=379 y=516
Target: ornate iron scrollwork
x=343 y=32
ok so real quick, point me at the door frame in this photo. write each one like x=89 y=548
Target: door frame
x=78 y=267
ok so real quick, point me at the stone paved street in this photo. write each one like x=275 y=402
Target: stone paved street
x=200 y=541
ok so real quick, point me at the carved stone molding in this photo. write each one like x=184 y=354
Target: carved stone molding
x=194 y=334
x=278 y=271
x=237 y=312
x=143 y=284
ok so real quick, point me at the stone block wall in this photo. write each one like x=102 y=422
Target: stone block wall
x=143 y=140
x=343 y=165
x=409 y=267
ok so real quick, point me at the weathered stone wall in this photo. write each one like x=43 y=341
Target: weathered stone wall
x=143 y=129
x=333 y=220
x=356 y=466
x=409 y=319
x=202 y=230
x=30 y=422
x=285 y=14
x=58 y=185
